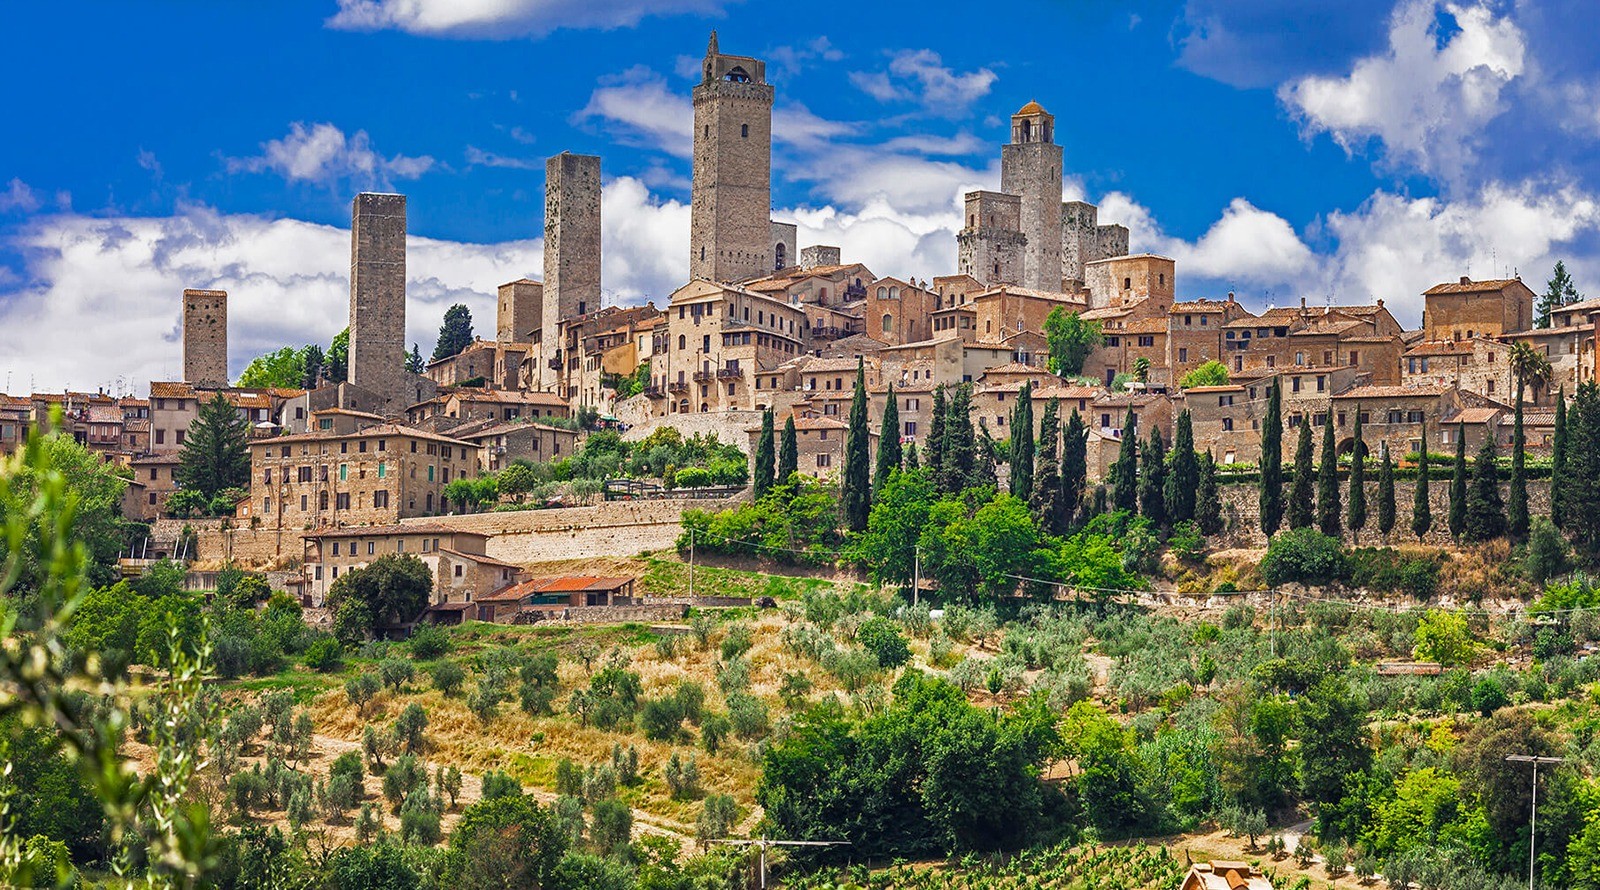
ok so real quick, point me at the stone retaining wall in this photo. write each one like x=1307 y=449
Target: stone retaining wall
x=615 y=528
x=1241 y=510
x=613 y=614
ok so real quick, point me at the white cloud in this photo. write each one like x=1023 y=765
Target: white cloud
x=641 y=100
x=323 y=154
x=1428 y=98
x=1246 y=245
x=920 y=75
x=477 y=157
x=503 y=19
x=18 y=196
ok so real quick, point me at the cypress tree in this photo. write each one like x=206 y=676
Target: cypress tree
x=1183 y=481
x=313 y=363
x=1303 y=491
x=912 y=461
x=765 y=460
x=1558 y=461
x=1517 y=499
x=216 y=453
x=788 y=452
x=1271 y=483
x=1046 y=500
x=1125 y=471
x=1207 y=498
x=1421 y=504
x=983 y=459
x=1153 y=480
x=1022 y=443
x=956 y=460
x=856 y=497
x=888 y=442
x=1074 y=466
x=1385 y=492
x=934 y=458
x=1328 y=518
x=1356 y=513
x=1486 y=512
x=1582 y=470
x=1458 y=484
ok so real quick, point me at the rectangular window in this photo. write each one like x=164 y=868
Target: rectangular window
x=383 y=469
x=180 y=437
x=1227 y=424
x=344 y=472
x=1183 y=353
x=824 y=460
x=342 y=502
x=372 y=547
x=380 y=498
x=430 y=472
x=335 y=548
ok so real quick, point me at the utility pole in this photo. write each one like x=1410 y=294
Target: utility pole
x=763 y=843
x=691 y=562
x=916 y=574
x=1533 y=816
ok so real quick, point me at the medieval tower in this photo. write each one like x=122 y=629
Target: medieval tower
x=571 y=254
x=990 y=246
x=730 y=227
x=521 y=311
x=1030 y=168
x=378 y=293
x=205 y=337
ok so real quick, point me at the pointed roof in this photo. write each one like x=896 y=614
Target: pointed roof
x=1032 y=107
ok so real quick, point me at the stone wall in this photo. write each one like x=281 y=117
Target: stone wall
x=571 y=251
x=378 y=293
x=205 y=337
x=612 y=614
x=729 y=426
x=615 y=528
x=1242 y=511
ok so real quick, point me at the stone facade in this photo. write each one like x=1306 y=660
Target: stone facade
x=819 y=255
x=1030 y=167
x=205 y=337
x=723 y=345
x=378 y=294
x=1124 y=280
x=571 y=254
x=730 y=223
x=899 y=311
x=785 y=245
x=520 y=315
x=1466 y=309
x=991 y=246
x=460 y=569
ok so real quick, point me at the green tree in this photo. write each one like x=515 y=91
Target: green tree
x=312 y=359
x=216 y=455
x=1211 y=373
x=765 y=458
x=414 y=362
x=1580 y=499
x=985 y=460
x=1334 y=746
x=455 y=334
x=94 y=486
x=1153 y=480
x=336 y=362
x=1328 y=518
x=1486 y=513
x=1125 y=469
x=1517 y=500
x=1074 y=465
x=390 y=590
x=1207 y=499
x=1558 y=461
x=856 y=485
x=788 y=452
x=1385 y=496
x=1458 y=485
x=959 y=451
x=1183 y=480
x=506 y=842
x=1303 y=491
x=1442 y=637
x=1049 y=508
x=1022 y=443
x=1558 y=292
x=1070 y=339
x=899 y=514
x=285 y=368
x=933 y=454
x=889 y=454
x=1421 y=503
x=1356 y=513
x=1271 y=477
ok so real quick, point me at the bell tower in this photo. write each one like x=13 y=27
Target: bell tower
x=1030 y=167
x=730 y=226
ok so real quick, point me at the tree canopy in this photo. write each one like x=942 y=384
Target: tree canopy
x=455 y=334
x=1070 y=339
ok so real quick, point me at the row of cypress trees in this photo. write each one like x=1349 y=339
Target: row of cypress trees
x=1166 y=488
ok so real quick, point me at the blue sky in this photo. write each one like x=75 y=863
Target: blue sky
x=1354 y=150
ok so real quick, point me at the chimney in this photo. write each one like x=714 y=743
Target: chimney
x=1380 y=302
x=1465 y=280
x=1302 y=303
x=1230 y=296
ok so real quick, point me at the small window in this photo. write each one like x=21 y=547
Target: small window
x=744 y=131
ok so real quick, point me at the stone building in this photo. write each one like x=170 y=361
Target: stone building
x=378 y=294
x=571 y=254
x=1465 y=309
x=990 y=247
x=452 y=409
x=1478 y=365
x=1084 y=241
x=495 y=364
x=455 y=559
x=1030 y=168
x=501 y=443
x=1005 y=310
x=899 y=311
x=519 y=315
x=725 y=344
x=730 y=228
x=375 y=476
x=819 y=444
x=1119 y=282
x=205 y=337
x=155 y=478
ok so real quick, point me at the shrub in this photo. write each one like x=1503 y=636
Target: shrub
x=429 y=642
x=882 y=638
x=409 y=726
x=325 y=655
x=747 y=715
x=497 y=783
x=1303 y=556
x=692 y=477
x=682 y=777
x=737 y=641
x=361 y=689
x=403 y=777
x=661 y=719
x=447 y=677
x=714 y=727
x=395 y=672
x=1442 y=636
x=419 y=818
x=1489 y=696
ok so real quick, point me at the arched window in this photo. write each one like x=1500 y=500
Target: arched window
x=780 y=256
x=1027 y=131
x=737 y=75
x=888 y=323
x=883 y=293
x=683 y=342
x=894 y=293
x=996 y=272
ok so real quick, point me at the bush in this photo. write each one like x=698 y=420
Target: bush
x=1303 y=556
x=325 y=655
x=661 y=719
x=429 y=642
x=737 y=641
x=882 y=638
x=1386 y=570
x=395 y=672
x=497 y=784
x=692 y=477
x=447 y=678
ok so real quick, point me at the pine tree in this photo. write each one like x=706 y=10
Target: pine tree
x=1458 y=485
x=913 y=462
x=1271 y=483
x=1385 y=492
x=788 y=452
x=765 y=461
x=1153 y=480
x=414 y=363
x=1558 y=292
x=1517 y=499
x=1046 y=500
x=1558 y=461
x=888 y=443
x=1328 y=518
x=1356 y=512
x=1421 y=504
x=1183 y=480
x=856 y=496
x=934 y=458
x=1207 y=498
x=336 y=362
x=314 y=369
x=1022 y=443
x=1074 y=466
x=216 y=453
x=1486 y=512
x=1303 y=489
x=456 y=332
x=957 y=456
x=1125 y=471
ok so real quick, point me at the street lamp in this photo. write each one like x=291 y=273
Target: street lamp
x=1533 y=821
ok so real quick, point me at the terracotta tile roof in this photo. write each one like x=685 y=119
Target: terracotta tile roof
x=248 y=399
x=508 y=397
x=1440 y=348
x=1232 y=387
x=1105 y=312
x=1550 y=332
x=371 y=432
x=1325 y=327
x=171 y=389
x=1392 y=392
x=1276 y=317
x=829 y=365
x=156 y=459
x=479 y=558
x=1474 y=415
x=1470 y=287
x=1145 y=326
x=367 y=531
x=1206 y=306
x=1068 y=391
x=1015 y=368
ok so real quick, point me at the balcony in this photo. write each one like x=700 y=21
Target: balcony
x=729 y=374
x=653 y=392
x=704 y=376
x=828 y=333
x=678 y=386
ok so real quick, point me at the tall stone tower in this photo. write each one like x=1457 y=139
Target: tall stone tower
x=990 y=247
x=571 y=252
x=205 y=337
x=521 y=311
x=730 y=220
x=1030 y=167
x=378 y=293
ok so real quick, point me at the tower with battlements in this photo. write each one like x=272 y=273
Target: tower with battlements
x=730 y=228
x=205 y=337
x=378 y=294
x=1030 y=168
x=990 y=246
